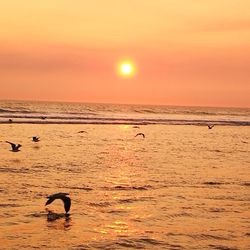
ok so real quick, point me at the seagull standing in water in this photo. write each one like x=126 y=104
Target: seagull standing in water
x=35 y=139
x=63 y=196
x=15 y=147
x=140 y=134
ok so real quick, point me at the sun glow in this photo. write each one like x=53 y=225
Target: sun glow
x=126 y=69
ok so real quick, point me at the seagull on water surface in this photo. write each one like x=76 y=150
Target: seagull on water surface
x=63 y=196
x=140 y=134
x=35 y=139
x=15 y=147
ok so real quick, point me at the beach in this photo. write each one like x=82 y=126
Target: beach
x=125 y=125
x=182 y=187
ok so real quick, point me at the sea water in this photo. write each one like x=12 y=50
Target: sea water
x=183 y=186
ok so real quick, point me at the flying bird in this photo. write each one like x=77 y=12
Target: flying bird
x=10 y=121
x=140 y=134
x=210 y=126
x=63 y=196
x=35 y=139
x=15 y=147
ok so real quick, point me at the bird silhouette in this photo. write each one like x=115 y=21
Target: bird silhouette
x=14 y=147
x=140 y=134
x=35 y=139
x=62 y=196
x=210 y=126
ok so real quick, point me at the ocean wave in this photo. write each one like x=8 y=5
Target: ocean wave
x=149 y=111
x=64 y=113
x=19 y=111
x=116 y=120
x=5 y=111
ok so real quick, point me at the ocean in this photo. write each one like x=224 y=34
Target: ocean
x=183 y=186
x=79 y=113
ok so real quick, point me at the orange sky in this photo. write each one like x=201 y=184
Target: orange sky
x=187 y=52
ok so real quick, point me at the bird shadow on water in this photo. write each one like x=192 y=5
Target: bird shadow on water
x=59 y=221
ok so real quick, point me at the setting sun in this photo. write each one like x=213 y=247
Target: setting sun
x=126 y=69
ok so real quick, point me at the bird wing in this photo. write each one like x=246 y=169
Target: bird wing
x=13 y=145
x=57 y=195
x=50 y=200
x=140 y=134
x=67 y=203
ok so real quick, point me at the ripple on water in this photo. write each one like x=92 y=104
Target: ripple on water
x=216 y=210
x=86 y=188
x=117 y=211
x=135 y=199
x=221 y=247
x=183 y=214
x=9 y=205
x=246 y=184
x=21 y=170
x=213 y=183
x=139 y=243
x=128 y=200
x=100 y=204
x=208 y=237
x=37 y=215
x=128 y=188
x=123 y=242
